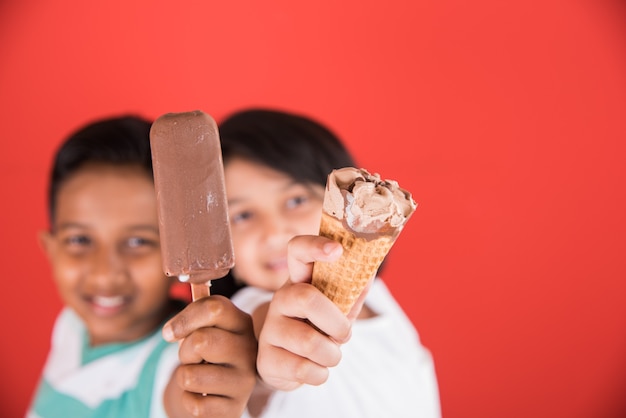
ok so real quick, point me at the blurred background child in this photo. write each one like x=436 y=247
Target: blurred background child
x=108 y=357
x=276 y=164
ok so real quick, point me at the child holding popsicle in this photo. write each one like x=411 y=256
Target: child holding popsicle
x=108 y=357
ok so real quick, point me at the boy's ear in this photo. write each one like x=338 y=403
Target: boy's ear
x=46 y=242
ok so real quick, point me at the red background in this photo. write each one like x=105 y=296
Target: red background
x=505 y=118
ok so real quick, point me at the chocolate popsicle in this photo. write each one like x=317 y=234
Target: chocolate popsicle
x=194 y=229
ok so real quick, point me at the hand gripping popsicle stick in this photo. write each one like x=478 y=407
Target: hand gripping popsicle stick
x=194 y=229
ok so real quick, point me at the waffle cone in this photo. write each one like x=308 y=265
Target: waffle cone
x=343 y=281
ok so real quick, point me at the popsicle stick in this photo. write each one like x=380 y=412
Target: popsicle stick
x=201 y=290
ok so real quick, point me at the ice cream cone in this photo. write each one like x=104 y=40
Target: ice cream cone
x=343 y=281
x=366 y=215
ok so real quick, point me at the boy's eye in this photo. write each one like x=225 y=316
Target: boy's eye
x=77 y=241
x=296 y=201
x=76 y=244
x=135 y=242
x=140 y=242
x=240 y=217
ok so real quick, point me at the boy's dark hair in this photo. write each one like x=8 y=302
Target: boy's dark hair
x=291 y=143
x=117 y=140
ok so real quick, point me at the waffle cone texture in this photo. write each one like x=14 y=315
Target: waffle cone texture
x=343 y=281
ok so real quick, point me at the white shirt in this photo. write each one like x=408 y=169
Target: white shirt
x=124 y=378
x=384 y=371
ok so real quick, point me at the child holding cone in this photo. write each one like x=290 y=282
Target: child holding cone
x=312 y=361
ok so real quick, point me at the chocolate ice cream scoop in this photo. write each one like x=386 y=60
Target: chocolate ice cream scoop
x=365 y=214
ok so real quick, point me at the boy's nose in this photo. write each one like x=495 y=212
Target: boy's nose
x=277 y=229
x=107 y=267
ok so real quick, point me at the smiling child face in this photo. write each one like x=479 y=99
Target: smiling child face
x=266 y=209
x=105 y=253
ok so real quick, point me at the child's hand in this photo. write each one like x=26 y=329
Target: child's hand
x=217 y=354
x=291 y=350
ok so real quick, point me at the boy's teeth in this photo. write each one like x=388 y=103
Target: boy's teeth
x=108 y=301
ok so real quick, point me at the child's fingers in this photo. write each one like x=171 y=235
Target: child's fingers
x=303 y=250
x=284 y=370
x=291 y=351
x=301 y=339
x=213 y=311
x=215 y=345
x=301 y=300
x=218 y=353
x=209 y=404
x=214 y=379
